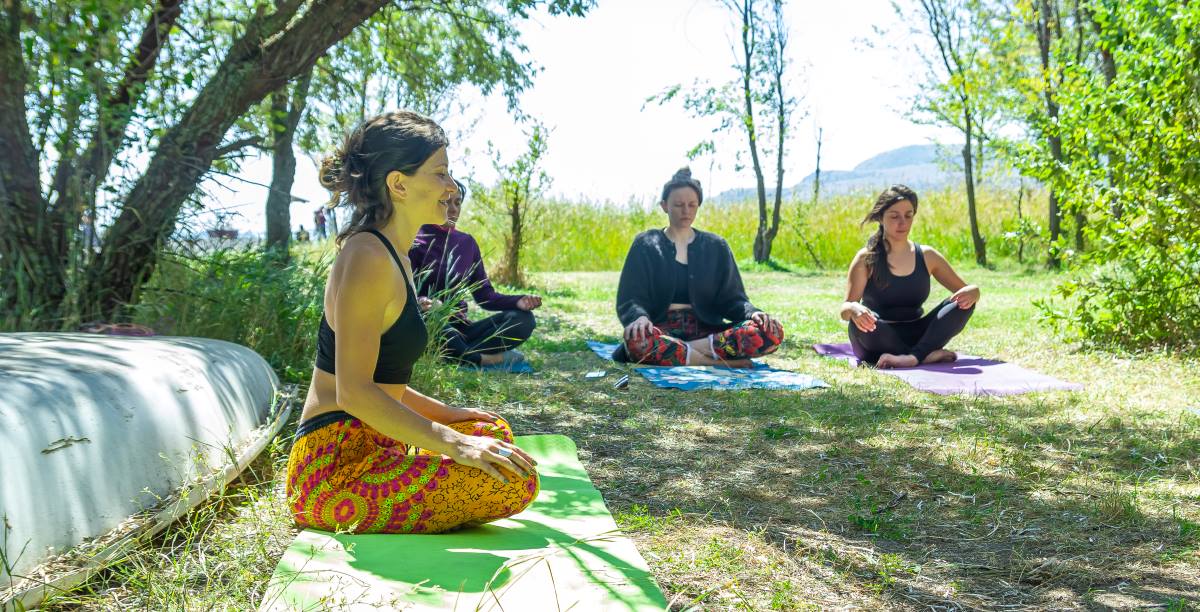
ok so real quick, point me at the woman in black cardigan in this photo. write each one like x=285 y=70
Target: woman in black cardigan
x=681 y=298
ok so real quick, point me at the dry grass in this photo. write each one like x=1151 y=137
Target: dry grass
x=866 y=495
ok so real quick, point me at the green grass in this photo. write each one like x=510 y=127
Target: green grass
x=868 y=494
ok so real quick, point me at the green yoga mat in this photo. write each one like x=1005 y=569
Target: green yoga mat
x=561 y=553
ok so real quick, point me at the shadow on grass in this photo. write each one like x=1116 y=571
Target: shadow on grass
x=969 y=489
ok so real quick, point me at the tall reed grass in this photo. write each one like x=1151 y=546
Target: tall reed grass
x=242 y=295
x=248 y=296
x=588 y=237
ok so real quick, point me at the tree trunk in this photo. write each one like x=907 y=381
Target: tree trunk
x=781 y=125
x=1020 y=223
x=761 y=246
x=816 y=197
x=1080 y=224
x=969 y=171
x=1055 y=142
x=283 y=174
x=257 y=64
x=512 y=263
x=32 y=278
x=286 y=111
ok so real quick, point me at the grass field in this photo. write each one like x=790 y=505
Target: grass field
x=865 y=495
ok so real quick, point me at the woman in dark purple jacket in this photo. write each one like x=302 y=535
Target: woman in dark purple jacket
x=450 y=258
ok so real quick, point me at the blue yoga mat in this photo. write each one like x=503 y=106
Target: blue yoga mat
x=602 y=350
x=693 y=378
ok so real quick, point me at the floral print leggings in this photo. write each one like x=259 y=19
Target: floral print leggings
x=665 y=345
x=345 y=476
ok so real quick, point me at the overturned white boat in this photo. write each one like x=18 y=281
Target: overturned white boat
x=105 y=440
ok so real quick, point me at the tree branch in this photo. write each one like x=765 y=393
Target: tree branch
x=76 y=182
x=250 y=141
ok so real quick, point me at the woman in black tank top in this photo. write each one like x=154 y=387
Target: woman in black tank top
x=354 y=464
x=887 y=288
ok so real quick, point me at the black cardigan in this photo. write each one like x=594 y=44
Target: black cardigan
x=714 y=284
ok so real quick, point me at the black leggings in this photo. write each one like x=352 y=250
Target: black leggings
x=500 y=332
x=917 y=338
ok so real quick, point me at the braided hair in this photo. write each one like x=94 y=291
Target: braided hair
x=876 y=258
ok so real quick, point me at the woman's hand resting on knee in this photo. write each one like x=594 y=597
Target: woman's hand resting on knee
x=767 y=323
x=492 y=456
x=640 y=329
x=966 y=297
x=457 y=415
x=439 y=412
x=863 y=318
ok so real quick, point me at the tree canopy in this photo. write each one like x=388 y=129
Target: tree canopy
x=116 y=110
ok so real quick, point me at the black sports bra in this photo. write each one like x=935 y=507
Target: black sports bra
x=399 y=347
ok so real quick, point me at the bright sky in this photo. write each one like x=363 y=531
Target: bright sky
x=608 y=144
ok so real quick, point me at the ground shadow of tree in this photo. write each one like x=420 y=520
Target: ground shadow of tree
x=823 y=470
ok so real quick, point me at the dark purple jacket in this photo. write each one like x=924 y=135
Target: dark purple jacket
x=452 y=257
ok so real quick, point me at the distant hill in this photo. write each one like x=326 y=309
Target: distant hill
x=921 y=167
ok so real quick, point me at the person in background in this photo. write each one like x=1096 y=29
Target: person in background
x=302 y=235
x=681 y=297
x=319 y=223
x=450 y=258
x=887 y=287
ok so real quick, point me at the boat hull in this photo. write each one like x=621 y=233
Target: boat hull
x=97 y=429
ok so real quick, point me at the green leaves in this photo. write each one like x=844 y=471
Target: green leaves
x=1130 y=151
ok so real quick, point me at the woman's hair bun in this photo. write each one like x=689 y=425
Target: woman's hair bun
x=333 y=174
x=682 y=178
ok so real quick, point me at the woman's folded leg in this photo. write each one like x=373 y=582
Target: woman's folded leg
x=941 y=325
x=886 y=338
x=745 y=340
x=348 y=477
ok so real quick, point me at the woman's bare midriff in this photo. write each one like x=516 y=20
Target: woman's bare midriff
x=322 y=394
x=679 y=307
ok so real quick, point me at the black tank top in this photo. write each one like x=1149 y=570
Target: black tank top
x=902 y=298
x=399 y=347
x=681 y=295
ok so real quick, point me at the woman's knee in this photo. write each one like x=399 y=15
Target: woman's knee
x=521 y=324
x=772 y=338
x=749 y=339
x=640 y=348
x=949 y=310
x=498 y=429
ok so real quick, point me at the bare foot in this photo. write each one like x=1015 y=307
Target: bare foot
x=888 y=361
x=941 y=356
x=488 y=359
x=700 y=356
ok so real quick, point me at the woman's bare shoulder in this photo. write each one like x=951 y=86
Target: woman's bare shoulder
x=362 y=258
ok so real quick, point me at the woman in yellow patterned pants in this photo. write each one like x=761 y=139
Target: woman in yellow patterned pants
x=351 y=468
x=345 y=476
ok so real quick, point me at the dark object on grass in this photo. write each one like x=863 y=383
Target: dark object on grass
x=622 y=383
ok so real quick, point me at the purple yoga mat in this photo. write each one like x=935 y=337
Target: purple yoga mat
x=969 y=375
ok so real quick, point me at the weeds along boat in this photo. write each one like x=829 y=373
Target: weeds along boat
x=106 y=440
